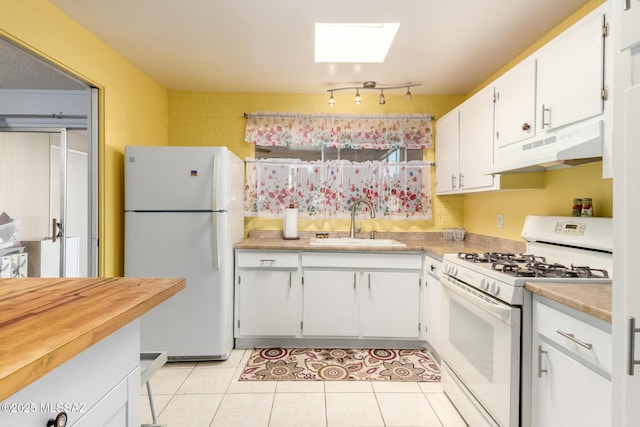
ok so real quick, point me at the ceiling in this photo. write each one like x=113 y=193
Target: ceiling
x=20 y=69
x=260 y=46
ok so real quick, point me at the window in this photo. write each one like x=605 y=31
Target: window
x=322 y=163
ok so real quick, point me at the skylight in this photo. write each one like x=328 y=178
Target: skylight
x=354 y=42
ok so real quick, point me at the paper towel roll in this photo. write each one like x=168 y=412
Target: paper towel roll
x=290 y=223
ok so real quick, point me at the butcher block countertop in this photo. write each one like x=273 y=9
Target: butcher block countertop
x=592 y=299
x=46 y=322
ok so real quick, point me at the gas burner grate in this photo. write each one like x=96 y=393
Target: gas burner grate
x=513 y=269
x=543 y=269
x=586 y=271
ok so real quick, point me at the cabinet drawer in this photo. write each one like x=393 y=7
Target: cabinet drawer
x=368 y=261
x=267 y=259
x=558 y=326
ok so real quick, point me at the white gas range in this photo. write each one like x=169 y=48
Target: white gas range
x=487 y=313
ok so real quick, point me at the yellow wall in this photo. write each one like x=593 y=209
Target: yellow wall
x=561 y=187
x=133 y=107
x=217 y=119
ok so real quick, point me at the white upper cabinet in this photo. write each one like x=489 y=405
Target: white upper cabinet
x=447 y=153
x=571 y=75
x=476 y=141
x=465 y=150
x=629 y=23
x=464 y=146
x=515 y=106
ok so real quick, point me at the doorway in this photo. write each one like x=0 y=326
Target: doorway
x=48 y=169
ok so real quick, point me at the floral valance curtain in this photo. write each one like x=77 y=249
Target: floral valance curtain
x=340 y=131
x=398 y=190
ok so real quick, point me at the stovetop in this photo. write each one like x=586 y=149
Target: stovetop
x=503 y=275
x=530 y=265
x=577 y=250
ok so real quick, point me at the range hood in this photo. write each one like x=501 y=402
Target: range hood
x=554 y=151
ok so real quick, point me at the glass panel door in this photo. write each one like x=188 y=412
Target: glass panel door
x=45 y=203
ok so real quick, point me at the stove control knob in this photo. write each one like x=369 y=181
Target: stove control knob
x=495 y=288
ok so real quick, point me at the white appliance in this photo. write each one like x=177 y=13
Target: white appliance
x=486 y=320
x=183 y=214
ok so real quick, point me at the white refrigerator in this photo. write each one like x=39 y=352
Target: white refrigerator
x=183 y=214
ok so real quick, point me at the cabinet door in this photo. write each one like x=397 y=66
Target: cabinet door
x=515 y=106
x=571 y=75
x=111 y=411
x=568 y=393
x=629 y=19
x=391 y=305
x=476 y=141
x=330 y=303
x=447 y=153
x=268 y=303
x=432 y=304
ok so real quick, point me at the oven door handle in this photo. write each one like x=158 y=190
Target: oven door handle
x=500 y=311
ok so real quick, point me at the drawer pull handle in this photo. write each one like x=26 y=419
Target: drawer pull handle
x=271 y=261
x=59 y=421
x=540 y=370
x=575 y=340
x=290 y=274
x=632 y=346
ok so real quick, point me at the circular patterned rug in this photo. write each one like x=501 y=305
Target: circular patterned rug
x=289 y=364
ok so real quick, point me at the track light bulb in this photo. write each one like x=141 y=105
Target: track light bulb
x=332 y=100
x=357 y=99
x=381 y=100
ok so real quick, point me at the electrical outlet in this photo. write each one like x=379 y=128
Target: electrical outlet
x=500 y=220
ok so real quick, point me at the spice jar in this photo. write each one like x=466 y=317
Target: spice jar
x=587 y=207
x=576 y=210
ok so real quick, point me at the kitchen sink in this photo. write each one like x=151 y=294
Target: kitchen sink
x=347 y=241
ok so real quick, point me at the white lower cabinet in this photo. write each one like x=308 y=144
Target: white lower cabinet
x=362 y=295
x=571 y=368
x=330 y=304
x=100 y=387
x=267 y=294
x=391 y=304
x=432 y=302
x=327 y=295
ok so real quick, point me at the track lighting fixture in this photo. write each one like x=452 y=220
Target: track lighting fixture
x=371 y=85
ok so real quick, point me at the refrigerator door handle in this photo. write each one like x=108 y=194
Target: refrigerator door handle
x=215 y=250
x=214 y=182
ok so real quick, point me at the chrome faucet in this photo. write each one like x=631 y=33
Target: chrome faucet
x=352 y=229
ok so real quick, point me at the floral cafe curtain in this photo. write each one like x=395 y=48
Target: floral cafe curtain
x=397 y=190
x=386 y=131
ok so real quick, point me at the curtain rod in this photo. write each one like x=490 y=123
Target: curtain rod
x=431 y=117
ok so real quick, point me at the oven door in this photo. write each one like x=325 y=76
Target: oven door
x=481 y=345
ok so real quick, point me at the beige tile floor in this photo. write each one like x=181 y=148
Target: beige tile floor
x=208 y=394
